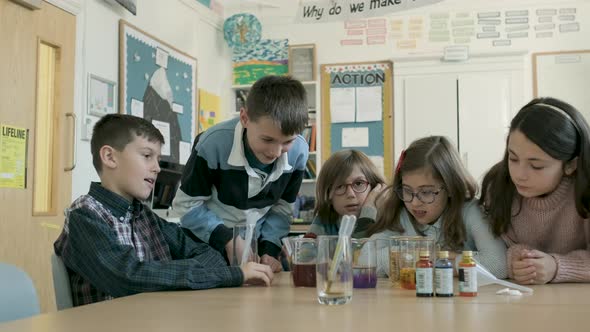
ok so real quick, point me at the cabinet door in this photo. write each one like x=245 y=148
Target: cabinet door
x=484 y=116
x=430 y=107
x=565 y=76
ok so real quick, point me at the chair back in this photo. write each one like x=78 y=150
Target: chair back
x=61 y=283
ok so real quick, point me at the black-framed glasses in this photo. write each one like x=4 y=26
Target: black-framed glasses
x=426 y=196
x=358 y=186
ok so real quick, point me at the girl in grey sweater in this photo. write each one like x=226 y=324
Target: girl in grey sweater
x=433 y=195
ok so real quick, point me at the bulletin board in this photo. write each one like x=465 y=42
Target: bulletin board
x=159 y=83
x=357 y=111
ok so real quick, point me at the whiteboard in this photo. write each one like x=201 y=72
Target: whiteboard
x=565 y=76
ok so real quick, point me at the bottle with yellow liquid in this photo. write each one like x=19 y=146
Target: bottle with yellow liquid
x=467 y=275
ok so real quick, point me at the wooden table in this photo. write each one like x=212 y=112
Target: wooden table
x=558 y=308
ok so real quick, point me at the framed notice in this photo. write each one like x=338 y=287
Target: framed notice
x=302 y=62
x=101 y=96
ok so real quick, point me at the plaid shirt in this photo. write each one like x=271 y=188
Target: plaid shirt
x=113 y=248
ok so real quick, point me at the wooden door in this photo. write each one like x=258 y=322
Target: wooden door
x=27 y=236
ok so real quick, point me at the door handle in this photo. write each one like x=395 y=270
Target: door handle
x=74 y=156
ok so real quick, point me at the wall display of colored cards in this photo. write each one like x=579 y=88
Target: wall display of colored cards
x=158 y=82
x=209 y=110
x=267 y=57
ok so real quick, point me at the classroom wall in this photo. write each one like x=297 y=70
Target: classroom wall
x=196 y=30
x=184 y=24
x=327 y=36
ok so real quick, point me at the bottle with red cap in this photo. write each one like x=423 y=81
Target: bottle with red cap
x=424 y=271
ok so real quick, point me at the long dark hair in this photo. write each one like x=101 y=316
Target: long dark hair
x=560 y=131
x=335 y=171
x=439 y=156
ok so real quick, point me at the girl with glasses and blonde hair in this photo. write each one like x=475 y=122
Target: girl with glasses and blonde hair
x=348 y=184
x=433 y=195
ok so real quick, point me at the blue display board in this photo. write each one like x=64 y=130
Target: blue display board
x=357 y=111
x=158 y=83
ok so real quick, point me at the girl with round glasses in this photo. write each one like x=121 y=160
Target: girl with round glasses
x=348 y=184
x=433 y=195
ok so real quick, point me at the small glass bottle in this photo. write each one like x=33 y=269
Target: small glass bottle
x=424 y=275
x=467 y=275
x=443 y=275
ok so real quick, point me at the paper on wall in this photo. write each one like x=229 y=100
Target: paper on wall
x=355 y=137
x=184 y=151
x=164 y=128
x=177 y=108
x=137 y=108
x=342 y=105
x=162 y=58
x=369 y=104
x=13 y=157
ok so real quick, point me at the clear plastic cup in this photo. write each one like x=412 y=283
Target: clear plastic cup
x=303 y=261
x=409 y=254
x=237 y=257
x=364 y=263
x=334 y=270
x=394 y=260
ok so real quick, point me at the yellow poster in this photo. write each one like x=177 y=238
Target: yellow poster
x=209 y=110
x=13 y=157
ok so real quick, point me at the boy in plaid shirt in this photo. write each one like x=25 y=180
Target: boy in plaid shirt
x=113 y=245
